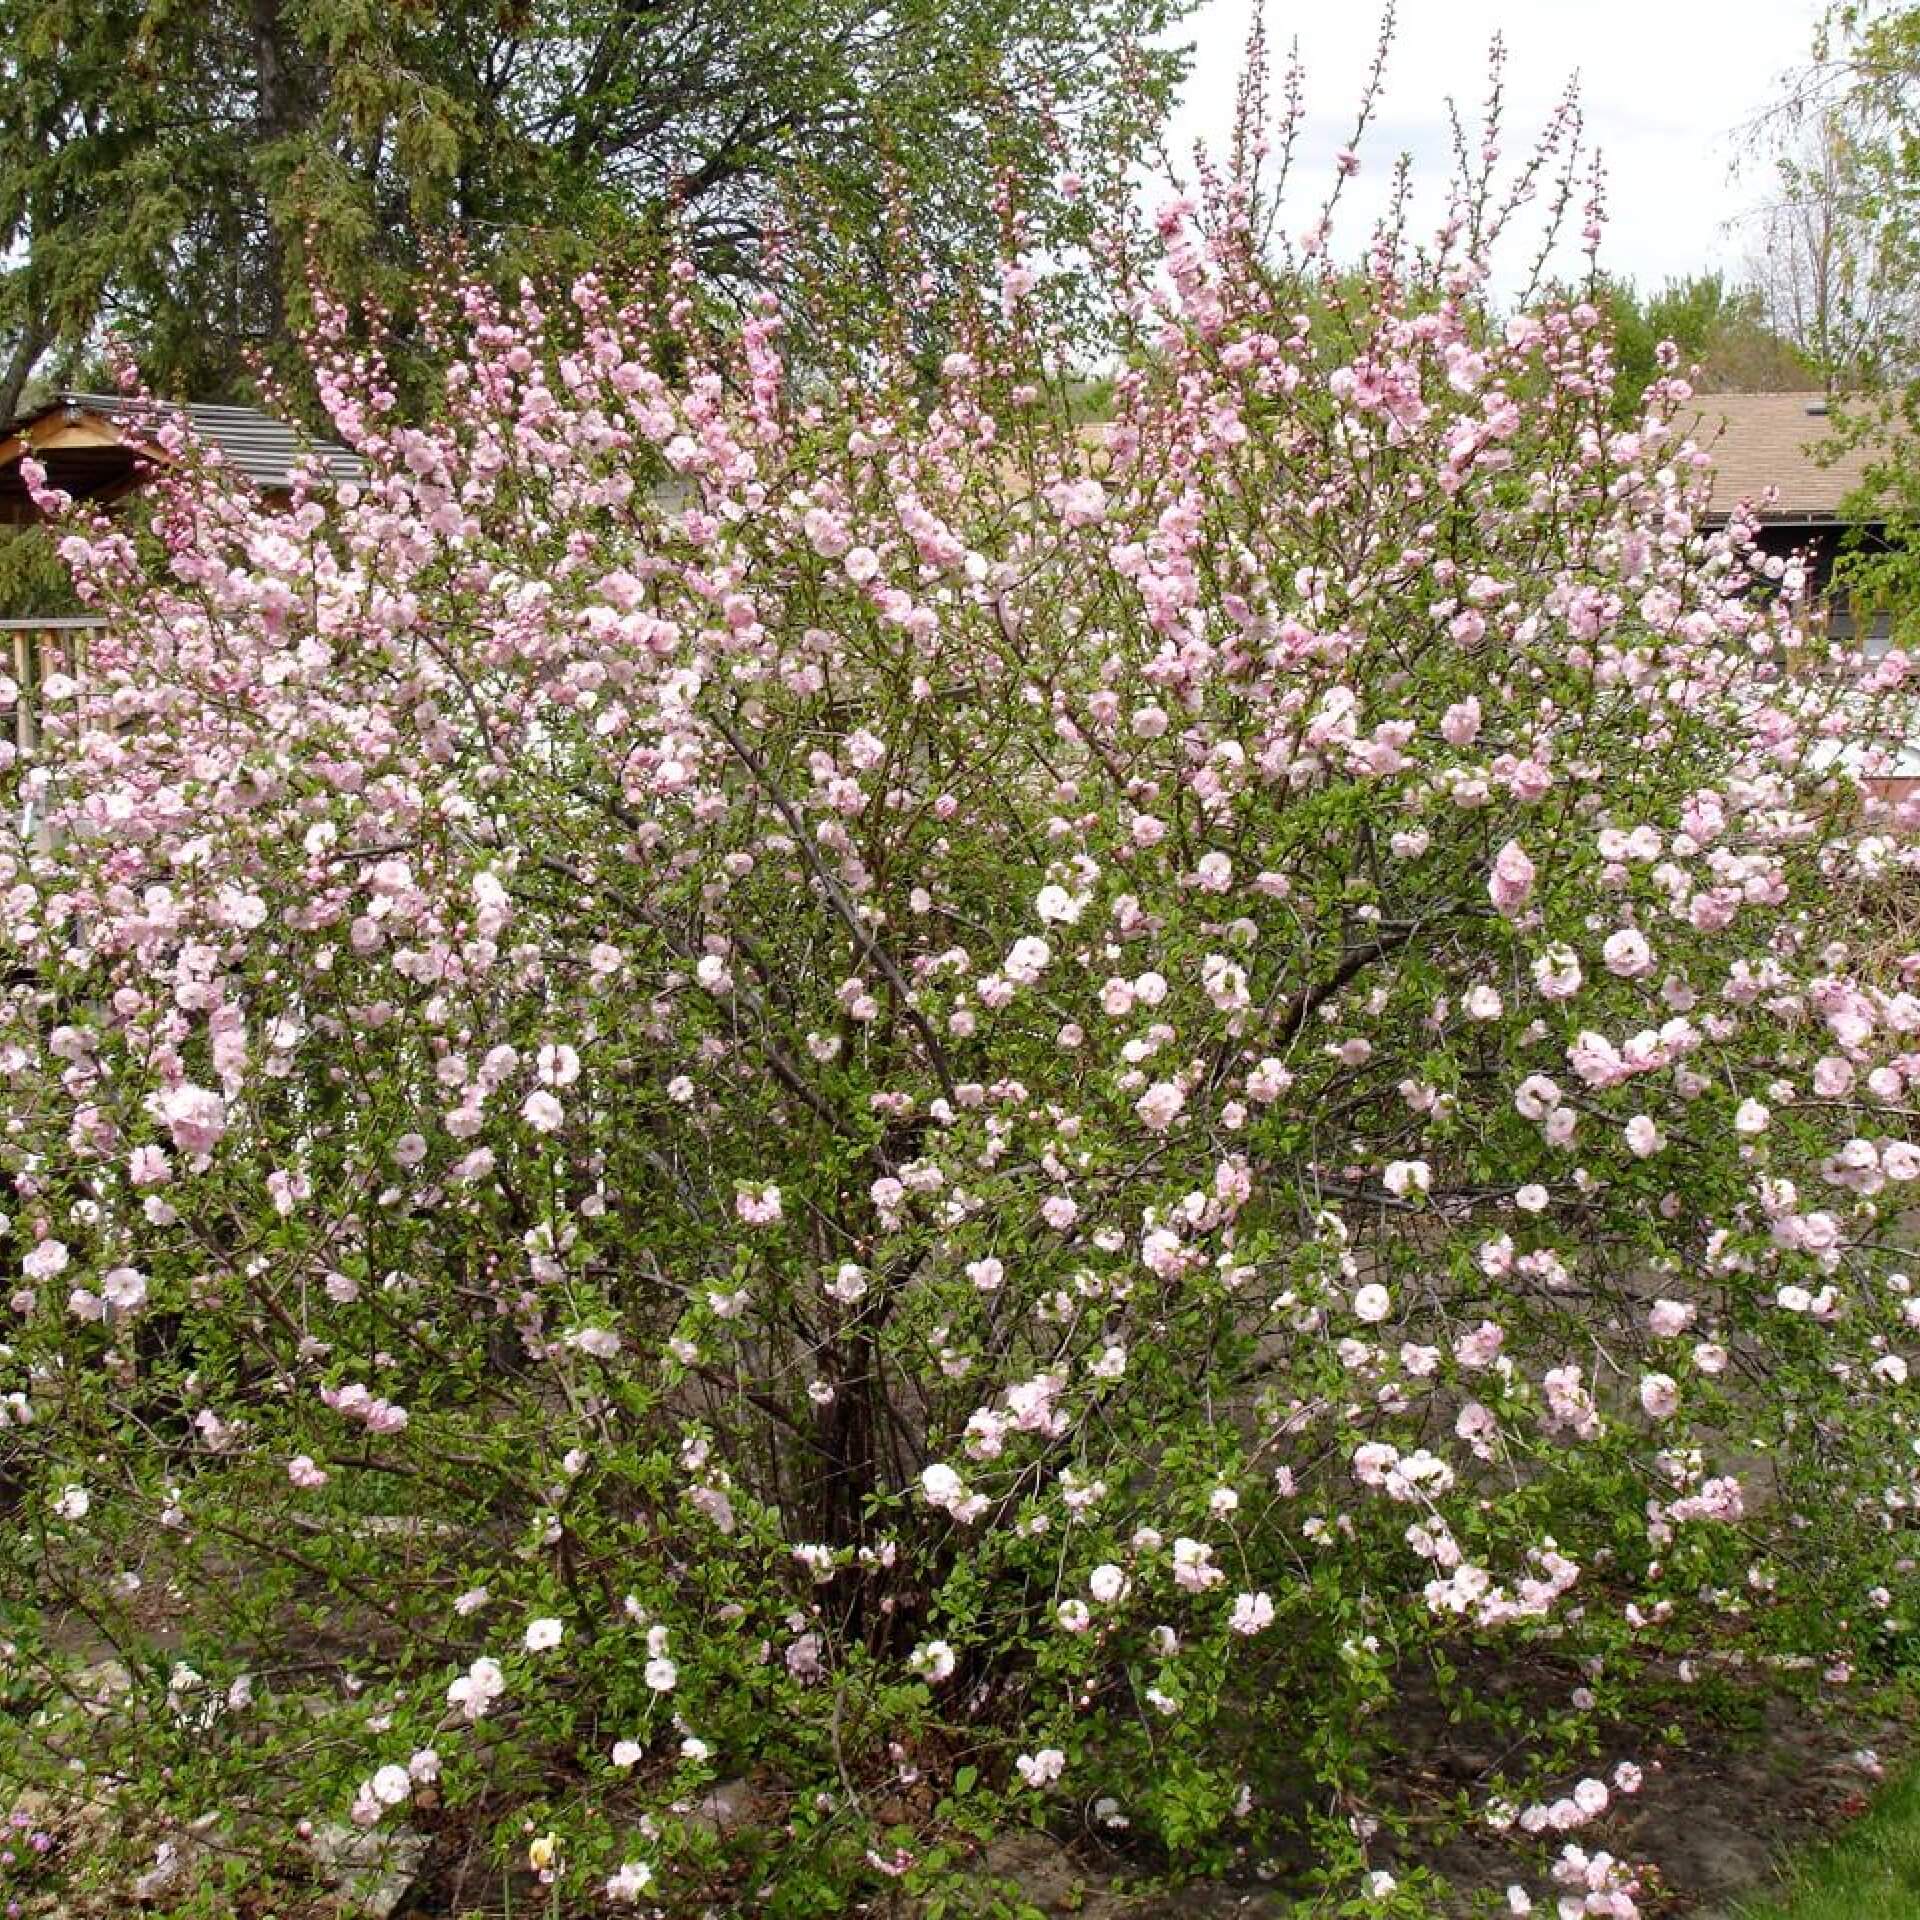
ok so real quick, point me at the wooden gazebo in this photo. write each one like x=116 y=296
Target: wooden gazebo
x=99 y=446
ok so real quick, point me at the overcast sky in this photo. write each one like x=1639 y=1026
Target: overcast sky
x=1666 y=86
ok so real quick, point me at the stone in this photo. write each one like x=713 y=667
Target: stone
x=726 y=1809
x=370 y=1869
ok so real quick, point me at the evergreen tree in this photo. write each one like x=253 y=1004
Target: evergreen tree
x=172 y=169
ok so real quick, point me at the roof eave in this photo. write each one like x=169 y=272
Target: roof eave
x=1798 y=517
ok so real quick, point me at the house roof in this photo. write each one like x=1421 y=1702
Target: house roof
x=95 y=445
x=1763 y=440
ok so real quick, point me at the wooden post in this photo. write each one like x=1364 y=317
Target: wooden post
x=36 y=647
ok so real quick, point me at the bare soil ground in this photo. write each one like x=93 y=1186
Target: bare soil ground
x=1734 y=1783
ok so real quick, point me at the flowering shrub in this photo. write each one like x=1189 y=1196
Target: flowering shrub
x=729 y=1077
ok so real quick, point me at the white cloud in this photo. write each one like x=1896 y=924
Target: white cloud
x=1666 y=87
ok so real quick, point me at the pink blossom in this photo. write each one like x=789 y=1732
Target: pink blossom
x=1557 y=973
x=559 y=1066
x=1252 y=1613
x=986 y=1274
x=124 y=1288
x=1407 y=1176
x=45 y=1259
x=1193 y=1568
x=758 y=1206
x=1627 y=954
x=1512 y=878
x=1659 y=1396
x=1536 y=1097
x=475 y=1692
x=1041 y=1769
x=1479 y=1347
x=147 y=1167
x=196 y=1118
x=1160 y=1105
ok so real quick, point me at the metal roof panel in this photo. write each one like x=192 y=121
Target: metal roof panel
x=253 y=443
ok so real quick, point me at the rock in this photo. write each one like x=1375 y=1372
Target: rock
x=402 y=1526
x=101 y=1684
x=172 y=1858
x=371 y=1870
x=726 y=1809
x=1041 y=1868
x=168 y=1860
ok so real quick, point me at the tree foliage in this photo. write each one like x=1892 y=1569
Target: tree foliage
x=1820 y=269
x=1848 y=271
x=175 y=171
x=1859 y=160
x=1722 y=333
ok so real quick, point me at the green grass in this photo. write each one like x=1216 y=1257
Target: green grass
x=1869 y=1872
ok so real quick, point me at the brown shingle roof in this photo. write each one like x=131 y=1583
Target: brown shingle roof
x=1762 y=440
